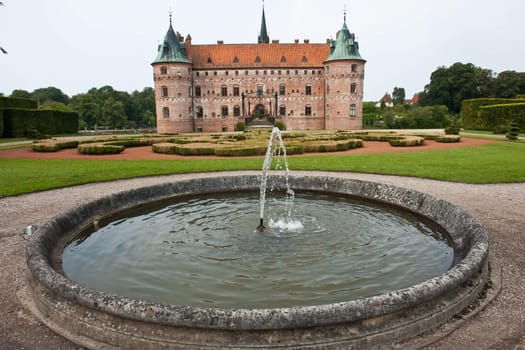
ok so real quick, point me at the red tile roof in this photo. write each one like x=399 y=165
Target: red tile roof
x=258 y=55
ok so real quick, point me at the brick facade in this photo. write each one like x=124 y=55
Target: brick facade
x=211 y=88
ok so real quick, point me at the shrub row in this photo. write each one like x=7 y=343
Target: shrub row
x=333 y=146
x=254 y=150
x=506 y=114
x=470 y=112
x=407 y=141
x=15 y=102
x=29 y=122
x=53 y=145
x=100 y=148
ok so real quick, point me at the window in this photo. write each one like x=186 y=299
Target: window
x=260 y=90
x=308 y=90
x=224 y=90
x=304 y=60
x=354 y=67
x=282 y=110
x=224 y=111
x=165 y=112
x=352 y=110
x=164 y=91
x=257 y=59
x=353 y=88
x=163 y=70
x=283 y=59
x=236 y=111
x=235 y=60
x=198 y=111
x=236 y=91
x=198 y=91
x=308 y=110
x=282 y=90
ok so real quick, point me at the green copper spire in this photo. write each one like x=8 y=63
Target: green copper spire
x=263 y=36
x=171 y=50
x=345 y=47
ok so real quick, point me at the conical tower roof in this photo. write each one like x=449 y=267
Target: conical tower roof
x=345 y=47
x=171 y=50
x=263 y=35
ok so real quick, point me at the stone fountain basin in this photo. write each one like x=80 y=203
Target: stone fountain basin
x=96 y=319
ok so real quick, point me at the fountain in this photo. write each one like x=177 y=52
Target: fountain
x=273 y=150
x=199 y=317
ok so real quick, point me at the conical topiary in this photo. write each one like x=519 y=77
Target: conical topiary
x=514 y=132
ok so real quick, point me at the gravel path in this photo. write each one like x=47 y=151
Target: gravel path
x=500 y=208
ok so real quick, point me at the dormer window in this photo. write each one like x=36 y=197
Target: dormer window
x=209 y=60
x=257 y=59
x=235 y=60
x=283 y=59
x=304 y=60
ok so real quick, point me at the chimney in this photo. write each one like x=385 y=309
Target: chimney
x=220 y=42
x=307 y=41
x=275 y=41
x=296 y=41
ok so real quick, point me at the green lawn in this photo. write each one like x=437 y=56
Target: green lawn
x=494 y=163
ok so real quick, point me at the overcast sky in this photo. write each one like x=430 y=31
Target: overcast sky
x=77 y=45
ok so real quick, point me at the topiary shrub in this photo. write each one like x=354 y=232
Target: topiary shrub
x=514 y=132
x=279 y=125
x=453 y=128
x=240 y=126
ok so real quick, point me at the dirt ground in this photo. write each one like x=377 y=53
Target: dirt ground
x=143 y=153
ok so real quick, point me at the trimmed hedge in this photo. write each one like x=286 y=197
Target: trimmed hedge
x=240 y=151
x=24 y=122
x=15 y=102
x=99 y=148
x=53 y=145
x=1 y=123
x=448 y=138
x=407 y=141
x=470 y=111
x=496 y=115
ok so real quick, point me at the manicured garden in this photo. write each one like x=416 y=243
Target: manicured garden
x=500 y=162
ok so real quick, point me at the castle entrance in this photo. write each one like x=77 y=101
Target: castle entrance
x=259 y=112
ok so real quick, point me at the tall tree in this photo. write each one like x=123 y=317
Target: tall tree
x=508 y=84
x=20 y=93
x=49 y=94
x=398 y=95
x=450 y=86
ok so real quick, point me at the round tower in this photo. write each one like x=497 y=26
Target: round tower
x=173 y=85
x=344 y=79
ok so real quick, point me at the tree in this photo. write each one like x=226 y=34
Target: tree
x=450 y=86
x=87 y=108
x=20 y=94
x=507 y=84
x=113 y=114
x=49 y=94
x=398 y=95
x=55 y=106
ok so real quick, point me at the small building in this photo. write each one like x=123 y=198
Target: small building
x=385 y=100
x=304 y=85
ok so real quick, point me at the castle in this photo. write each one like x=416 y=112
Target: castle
x=305 y=86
